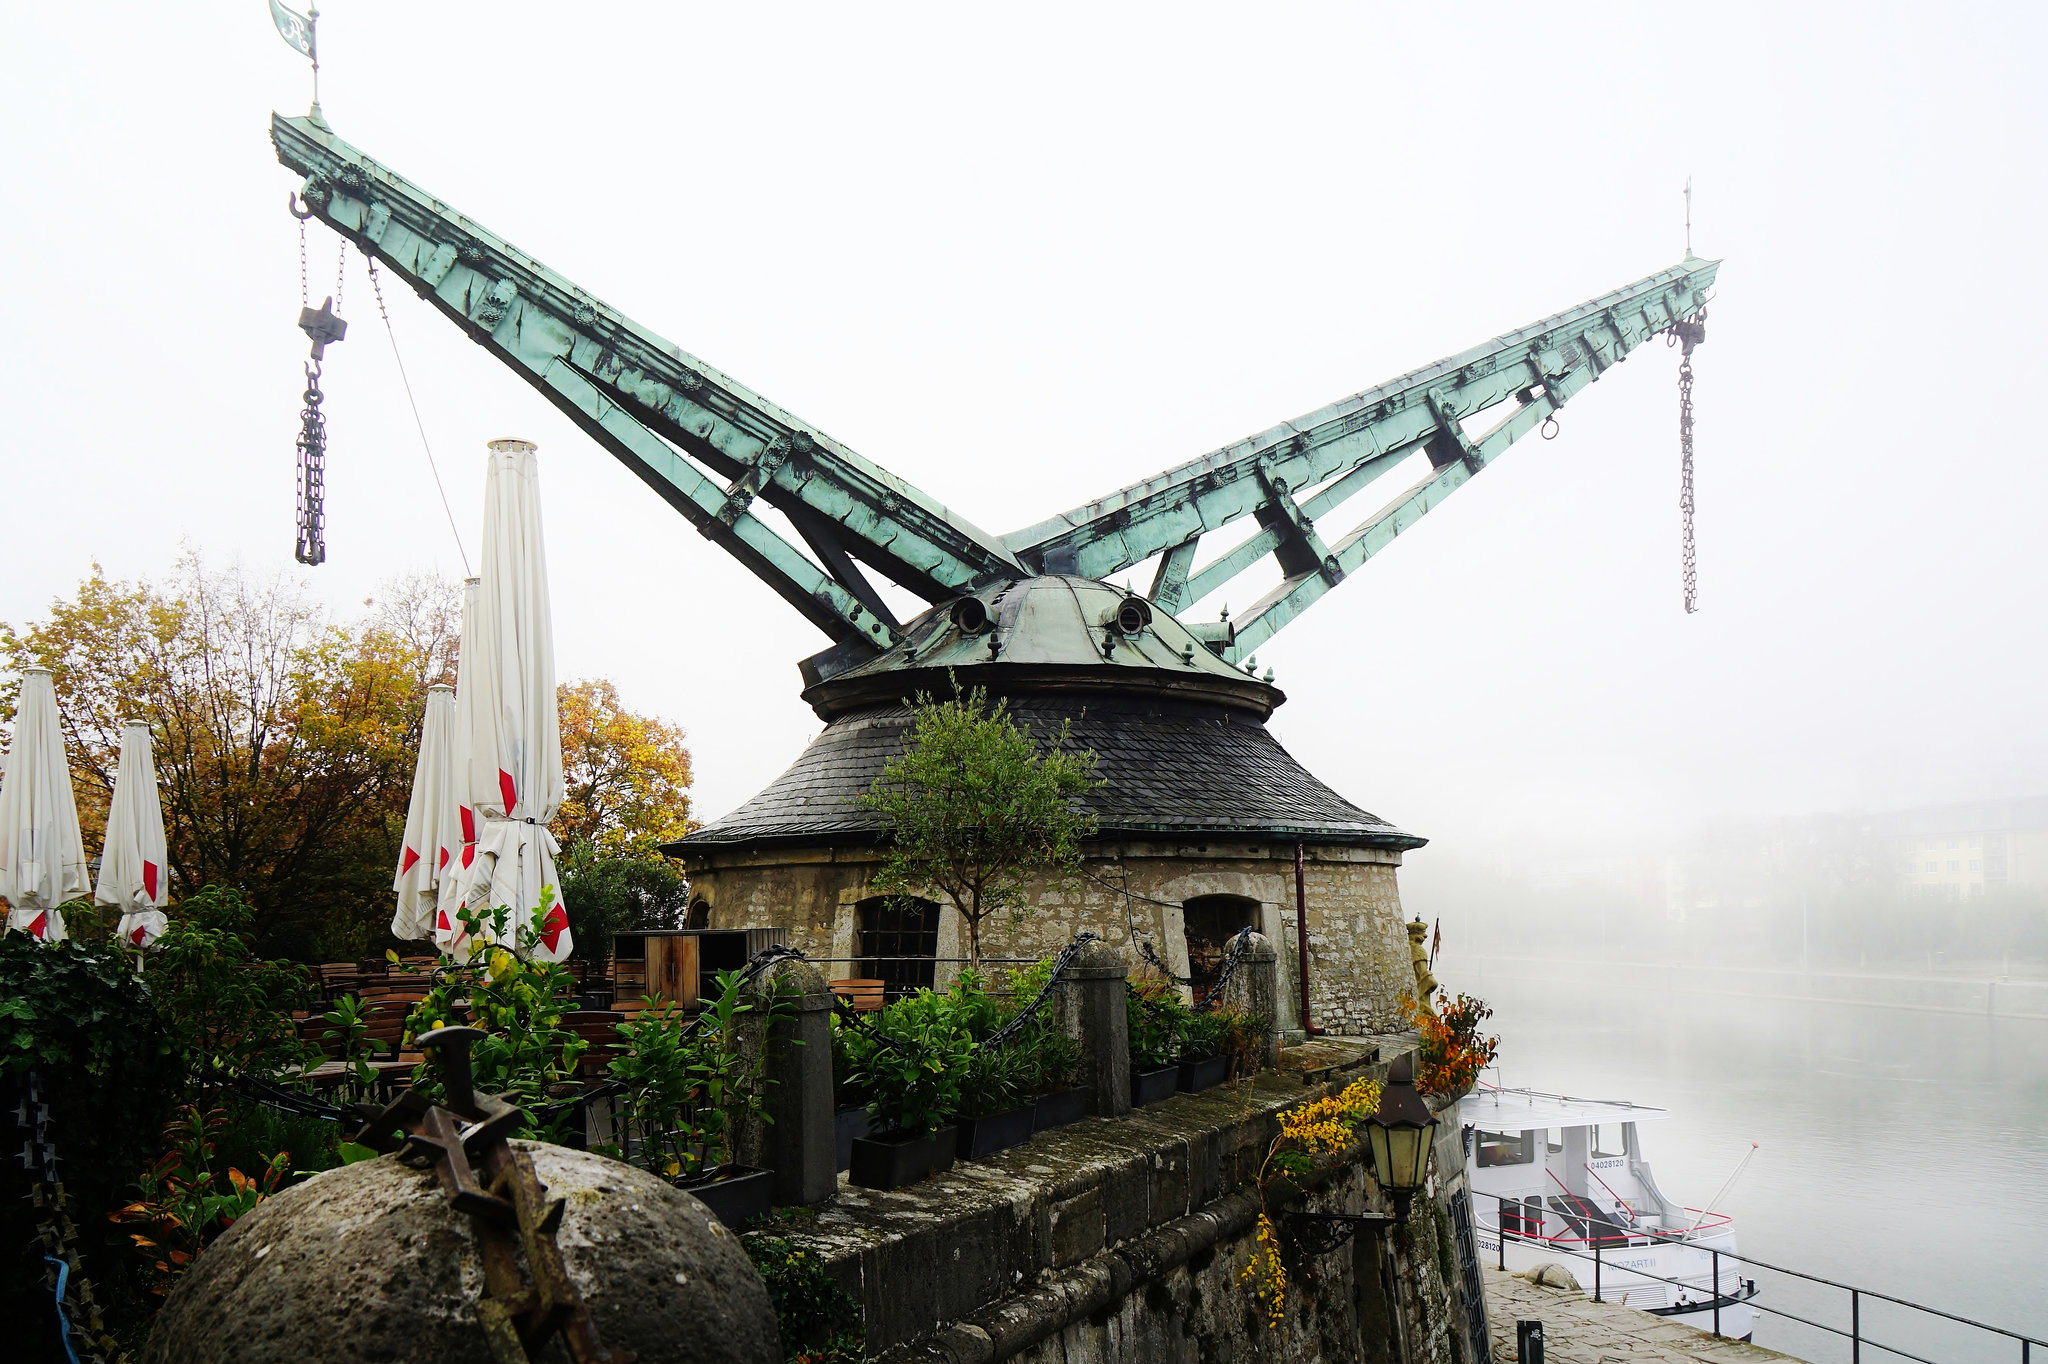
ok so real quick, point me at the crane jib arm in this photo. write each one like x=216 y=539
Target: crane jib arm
x=704 y=442
x=1462 y=412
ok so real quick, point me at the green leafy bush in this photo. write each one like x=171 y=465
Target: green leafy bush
x=819 y=1321
x=76 y=1014
x=1156 y=1022
x=690 y=1091
x=911 y=1062
x=229 y=1010
x=518 y=1001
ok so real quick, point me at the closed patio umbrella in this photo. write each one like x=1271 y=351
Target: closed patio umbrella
x=133 y=862
x=448 y=934
x=424 y=856
x=515 y=737
x=42 y=856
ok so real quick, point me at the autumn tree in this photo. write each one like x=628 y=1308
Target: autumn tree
x=627 y=776
x=284 y=741
x=975 y=810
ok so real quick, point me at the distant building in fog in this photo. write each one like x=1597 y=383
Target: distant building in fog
x=1970 y=847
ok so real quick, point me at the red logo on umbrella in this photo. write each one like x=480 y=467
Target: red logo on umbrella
x=42 y=921
x=407 y=864
x=444 y=860
x=136 y=936
x=149 y=879
x=553 y=926
x=507 y=790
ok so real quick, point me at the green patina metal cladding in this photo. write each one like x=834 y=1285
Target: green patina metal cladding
x=711 y=447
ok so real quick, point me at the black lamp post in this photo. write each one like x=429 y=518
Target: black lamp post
x=1401 y=1132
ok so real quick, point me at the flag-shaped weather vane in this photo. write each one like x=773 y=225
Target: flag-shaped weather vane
x=302 y=33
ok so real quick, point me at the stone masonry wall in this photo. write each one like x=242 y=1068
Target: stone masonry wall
x=1125 y=1241
x=1358 y=954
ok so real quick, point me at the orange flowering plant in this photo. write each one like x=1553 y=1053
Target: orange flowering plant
x=184 y=1204
x=1320 y=1128
x=1453 y=1051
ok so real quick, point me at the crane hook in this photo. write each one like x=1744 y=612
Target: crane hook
x=292 y=203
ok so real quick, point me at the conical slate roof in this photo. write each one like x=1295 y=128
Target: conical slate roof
x=1180 y=734
x=1169 y=768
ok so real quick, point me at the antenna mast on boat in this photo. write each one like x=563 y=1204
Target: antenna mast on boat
x=1708 y=1211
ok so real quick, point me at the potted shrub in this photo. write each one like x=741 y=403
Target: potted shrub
x=687 y=1094
x=1155 y=1019
x=1204 y=1051
x=1057 y=1061
x=911 y=1065
x=849 y=1100
x=997 y=1110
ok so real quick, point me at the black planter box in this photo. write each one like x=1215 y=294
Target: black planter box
x=993 y=1132
x=847 y=1124
x=1207 y=1073
x=895 y=1159
x=1150 y=1086
x=1061 y=1107
x=737 y=1193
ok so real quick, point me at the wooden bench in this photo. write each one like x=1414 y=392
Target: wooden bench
x=863 y=996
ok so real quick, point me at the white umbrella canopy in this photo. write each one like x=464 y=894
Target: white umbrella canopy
x=42 y=856
x=432 y=842
x=515 y=736
x=448 y=931
x=133 y=861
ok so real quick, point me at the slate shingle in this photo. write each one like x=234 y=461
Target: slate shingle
x=1169 y=769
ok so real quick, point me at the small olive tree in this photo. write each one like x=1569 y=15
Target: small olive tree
x=974 y=809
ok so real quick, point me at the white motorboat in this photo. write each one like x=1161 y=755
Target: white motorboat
x=1566 y=1181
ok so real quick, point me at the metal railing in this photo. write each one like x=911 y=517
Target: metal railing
x=1510 y=1209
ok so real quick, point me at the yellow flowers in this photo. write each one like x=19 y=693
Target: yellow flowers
x=1267 y=1273
x=1321 y=1128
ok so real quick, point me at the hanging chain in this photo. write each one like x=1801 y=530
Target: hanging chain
x=311 y=548
x=302 y=263
x=1689 y=333
x=340 y=273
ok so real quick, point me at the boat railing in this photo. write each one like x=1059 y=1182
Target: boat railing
x=1745 y=1291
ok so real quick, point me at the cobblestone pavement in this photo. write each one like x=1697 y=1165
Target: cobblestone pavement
x=1577 y=1330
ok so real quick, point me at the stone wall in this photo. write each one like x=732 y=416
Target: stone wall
x=1125 y=1241
x=1358 y=954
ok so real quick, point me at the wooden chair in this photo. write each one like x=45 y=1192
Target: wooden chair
x=384 y=1026
x=863 y=996
x=338 y=978
x=600 y=1028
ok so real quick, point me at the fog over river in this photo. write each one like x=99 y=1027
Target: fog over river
x=1901 y=1151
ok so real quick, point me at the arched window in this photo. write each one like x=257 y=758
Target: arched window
x=699 y=915
x=897 y=938
x=1210 y=922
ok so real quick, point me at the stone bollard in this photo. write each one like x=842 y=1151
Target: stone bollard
x=1092 y=1011
x=797 y=1144
x=1254 y=990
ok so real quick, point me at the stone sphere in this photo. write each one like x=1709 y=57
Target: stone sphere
x=370 y=1263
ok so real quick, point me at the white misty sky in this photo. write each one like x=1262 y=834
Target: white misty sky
x=1022 y=260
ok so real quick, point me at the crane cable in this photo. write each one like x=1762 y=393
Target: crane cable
x=378 y=289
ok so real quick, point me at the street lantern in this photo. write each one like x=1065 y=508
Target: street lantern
x=1400 y=1132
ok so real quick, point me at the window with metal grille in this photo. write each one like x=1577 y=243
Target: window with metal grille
x=898 y=937
x=1210 y=922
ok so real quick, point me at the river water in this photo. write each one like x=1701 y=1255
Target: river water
x=1900 y=1151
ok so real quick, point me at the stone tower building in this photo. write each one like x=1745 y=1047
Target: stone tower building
x=1200 y=817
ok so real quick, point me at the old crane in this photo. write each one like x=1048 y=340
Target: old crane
x=1204 y=815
